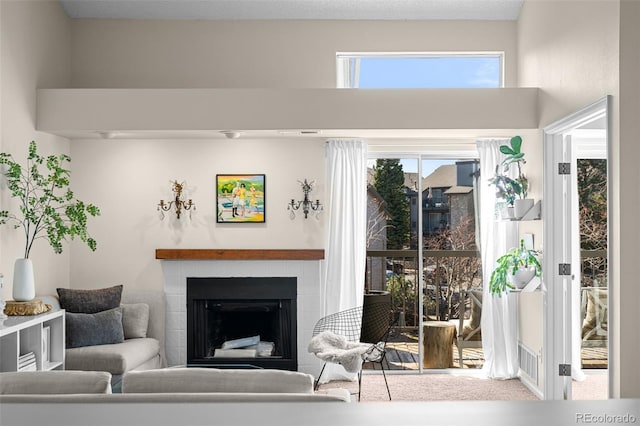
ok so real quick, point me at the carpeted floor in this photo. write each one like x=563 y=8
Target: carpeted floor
x=451 y=387
x=435 y=387
x=594 y=387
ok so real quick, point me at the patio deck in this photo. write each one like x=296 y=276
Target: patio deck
x=402 y=354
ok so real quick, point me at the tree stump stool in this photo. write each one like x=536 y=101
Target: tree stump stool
x=438 y=337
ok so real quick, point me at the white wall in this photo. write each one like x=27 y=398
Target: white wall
x=627 y=200
x=127 y=178
x=259 y=54
x=586 y=51
x=36 y=53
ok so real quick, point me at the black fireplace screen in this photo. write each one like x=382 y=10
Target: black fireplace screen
x=248 y=322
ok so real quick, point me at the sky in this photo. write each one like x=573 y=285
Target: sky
x=430 y=72
x=428 y=166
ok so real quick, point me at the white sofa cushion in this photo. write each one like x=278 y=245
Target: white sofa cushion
x=135 y=319
x=116 y=359
x=196 y=380
x=54 y=382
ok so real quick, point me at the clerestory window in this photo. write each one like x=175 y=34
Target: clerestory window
x=420 y=70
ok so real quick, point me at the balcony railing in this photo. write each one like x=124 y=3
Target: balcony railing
x=445 y=273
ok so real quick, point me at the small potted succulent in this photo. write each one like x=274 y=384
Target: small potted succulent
x=47 y=210
x=515 y=269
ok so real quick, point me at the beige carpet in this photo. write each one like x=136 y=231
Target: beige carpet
x=594 y=387
x=435 y=387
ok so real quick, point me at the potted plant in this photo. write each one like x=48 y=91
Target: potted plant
x=515 y=269
x=47 y=210
x=513 y=191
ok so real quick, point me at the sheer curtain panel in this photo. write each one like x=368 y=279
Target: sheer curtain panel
x=499 y=313
x=345 y=246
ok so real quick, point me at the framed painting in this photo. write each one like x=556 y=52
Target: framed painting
x=240 y=198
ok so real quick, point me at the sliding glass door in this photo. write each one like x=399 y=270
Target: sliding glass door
x=421 y=248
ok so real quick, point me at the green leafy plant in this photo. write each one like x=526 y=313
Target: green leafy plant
x=509 y=264
x=507 y=188
x=48 y=208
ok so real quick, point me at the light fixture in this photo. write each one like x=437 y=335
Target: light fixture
x=306 y=203
x=178 y=202
x=230 y=134
x=107 y=134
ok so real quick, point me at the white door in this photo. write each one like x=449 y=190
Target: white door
x=561 y=263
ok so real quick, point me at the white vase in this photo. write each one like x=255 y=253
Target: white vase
x=522 y=276
x=521 y=207
x=506 y=212
x=24 y=288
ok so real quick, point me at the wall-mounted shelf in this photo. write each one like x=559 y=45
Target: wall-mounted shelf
x=534 y=285
x=42 y=335
x=534 y=213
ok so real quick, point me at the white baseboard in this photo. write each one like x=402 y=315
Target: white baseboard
x=524 y=379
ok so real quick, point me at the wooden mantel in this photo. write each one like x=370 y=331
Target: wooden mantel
x=238 y=254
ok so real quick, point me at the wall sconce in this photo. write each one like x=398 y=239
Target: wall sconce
x=177 y=202
x=306 y=204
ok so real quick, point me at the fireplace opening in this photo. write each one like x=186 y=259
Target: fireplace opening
x=242 y=322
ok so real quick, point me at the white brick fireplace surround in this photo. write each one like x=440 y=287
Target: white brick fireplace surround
x=307 y=273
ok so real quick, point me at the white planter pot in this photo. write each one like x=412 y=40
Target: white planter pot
x=24 y=288
x=507 y=212
x=522 y=277
x=521 y=207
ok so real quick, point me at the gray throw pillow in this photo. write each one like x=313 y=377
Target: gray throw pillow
x=135 y=320
x=102 y=328
x=89 y=301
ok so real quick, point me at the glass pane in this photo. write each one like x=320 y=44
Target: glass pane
x=392 y=241
x=430 y=72
x=435 y=211
x=592 y=211
x=451 y=263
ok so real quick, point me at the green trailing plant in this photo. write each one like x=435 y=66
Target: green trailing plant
x=48 y=207
x=507 y=188
x=508 y=265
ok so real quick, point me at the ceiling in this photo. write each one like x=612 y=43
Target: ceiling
x=294 y=9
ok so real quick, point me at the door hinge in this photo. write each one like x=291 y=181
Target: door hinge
x=564 y=269
x=564 y=168
x=564 y=370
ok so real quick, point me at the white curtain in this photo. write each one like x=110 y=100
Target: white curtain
x=499 y=314
x=345 y=244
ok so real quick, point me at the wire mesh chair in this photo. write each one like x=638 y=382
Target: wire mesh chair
x=370 y=323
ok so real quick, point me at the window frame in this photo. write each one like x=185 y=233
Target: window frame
x=348 y=63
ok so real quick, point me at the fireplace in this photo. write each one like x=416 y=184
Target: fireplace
x=242 y=322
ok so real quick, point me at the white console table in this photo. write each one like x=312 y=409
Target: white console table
x=20 y=335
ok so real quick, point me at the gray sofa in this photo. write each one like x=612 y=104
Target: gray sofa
x=133 y=354
x=169 y=385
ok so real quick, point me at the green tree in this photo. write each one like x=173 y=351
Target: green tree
x=389 y=182
x=592 y=195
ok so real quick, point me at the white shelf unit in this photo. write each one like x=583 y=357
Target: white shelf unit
x=20 y=335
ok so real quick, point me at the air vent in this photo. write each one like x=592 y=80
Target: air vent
x=528 y=362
